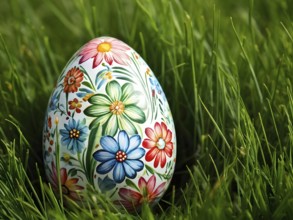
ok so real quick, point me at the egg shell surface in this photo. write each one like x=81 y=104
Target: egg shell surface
x=108 y=124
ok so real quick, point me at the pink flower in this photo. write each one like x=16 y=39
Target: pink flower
x=159 y=144
x=108 y=48
x=131 y=199
x=68 y=185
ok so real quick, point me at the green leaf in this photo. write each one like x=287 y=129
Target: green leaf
x=87 y=84
x=72 y=172
x=149 y=169
x=90 y=162
x=131 y=184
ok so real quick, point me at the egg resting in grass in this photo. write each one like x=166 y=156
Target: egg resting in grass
x=108 y=124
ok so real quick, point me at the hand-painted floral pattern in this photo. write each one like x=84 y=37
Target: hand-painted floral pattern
x=116 y=109
x=75 y=105
x=122 y=155
x=159 y=144
x=69 y=185
x=53 y=105
x=106 y=184
x=148 y=192
x=72 y=80
x=74 y=135
x=108 y=124
x=108 y=49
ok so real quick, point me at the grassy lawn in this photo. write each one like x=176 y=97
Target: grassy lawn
x=227 y=71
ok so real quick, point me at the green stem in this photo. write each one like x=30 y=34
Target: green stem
x=57 y=161
x=87 y=75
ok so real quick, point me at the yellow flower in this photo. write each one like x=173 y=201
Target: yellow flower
x=56 y=120
x=66 y=157
x=108 y=76
x=87 y=96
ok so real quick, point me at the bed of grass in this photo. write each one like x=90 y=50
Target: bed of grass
x=226 y=68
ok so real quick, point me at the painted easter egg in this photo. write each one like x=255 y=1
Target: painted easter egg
x=108 y=124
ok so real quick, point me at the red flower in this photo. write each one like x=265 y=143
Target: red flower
x=109 y=49
x=131 y=199
x=72 y=80
x=69 y=187
x=159 y=144
x=75 y=104
x=50 y=122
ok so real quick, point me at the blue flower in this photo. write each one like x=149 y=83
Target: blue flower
x=121 y=155
x=53 y=102
x=74 y=135
x=156 y=85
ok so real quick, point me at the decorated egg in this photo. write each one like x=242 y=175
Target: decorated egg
x=108 y=125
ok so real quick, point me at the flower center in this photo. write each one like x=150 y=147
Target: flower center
x=66 y=157
x=71 y=80
x=74 y=134
x=161 y=144
x=117 y=107
x=121 y=156
x=65 y=190
x=108 y=76
x=104 y=47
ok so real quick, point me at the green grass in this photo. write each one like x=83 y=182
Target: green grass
x=226 y=68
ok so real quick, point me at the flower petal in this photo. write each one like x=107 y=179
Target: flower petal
x=113 y=89
x=63 y=176
x=148 y=144
x=134 y=142
x=71 y=182
x=126 y=124
x=129 y=171
x=96 y=110
x=123 y=141
x=118 y=45
x=158 y=192
x=163 y=159
x=108 y=57
x=109 y=144
x=151 y=184
x=136 y=165
x=158 y=159
x=169 y=149
x=103 y=155
x=111 y=126
x=168 y=136
x=119 y=57
x=164 y=130
x=89 y=54
x=100 y=120
x=142 y=183
x=158 y=130
x=136 y=154
x=105 y=167
x=129 y=96
x=97 y=60
x=127 y=91
x=119 y=173
x=150 y=155
x=129 y=195
x=99 y=99
x=135 y=113
x=151 y=134
x=63 y=132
